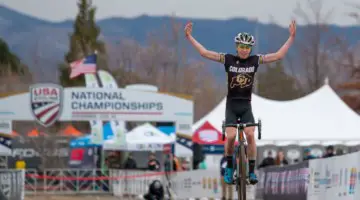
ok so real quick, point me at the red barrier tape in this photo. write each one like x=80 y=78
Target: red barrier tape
x=97 y=178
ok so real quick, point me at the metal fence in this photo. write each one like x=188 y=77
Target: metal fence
x=67 y=181
x=122 y=184
x=12 y=184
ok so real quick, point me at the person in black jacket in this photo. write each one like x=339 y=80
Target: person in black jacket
x=330 y=152
x=156 y=191
x=268 y=161
x=130 y=162
x=153 y=164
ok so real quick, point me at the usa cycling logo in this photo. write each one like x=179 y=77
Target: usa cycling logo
x=46 y=103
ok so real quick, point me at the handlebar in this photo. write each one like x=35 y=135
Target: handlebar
x=241 y=126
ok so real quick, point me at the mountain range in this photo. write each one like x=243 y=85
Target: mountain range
x=41 y=44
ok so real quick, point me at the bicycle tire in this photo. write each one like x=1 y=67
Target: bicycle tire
x=241 y=170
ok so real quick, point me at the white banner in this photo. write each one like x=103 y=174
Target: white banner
x=335 y=178
x=117 y=126
x=12 y=184
x=6 y=126
x=107 y=80
x=50 y=102
x=97 y=132
x=97 y=135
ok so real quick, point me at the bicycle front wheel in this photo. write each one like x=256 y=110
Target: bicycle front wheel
x=241 y=170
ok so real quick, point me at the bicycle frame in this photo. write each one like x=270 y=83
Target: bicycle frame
x=240 y=151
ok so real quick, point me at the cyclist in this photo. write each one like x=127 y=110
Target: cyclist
x=240 y=69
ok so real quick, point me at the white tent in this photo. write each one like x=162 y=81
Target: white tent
x=320 y=117
x=142 y=138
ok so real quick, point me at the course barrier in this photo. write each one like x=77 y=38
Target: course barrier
x=335 y=178
x=12 y=184
x=124 y=183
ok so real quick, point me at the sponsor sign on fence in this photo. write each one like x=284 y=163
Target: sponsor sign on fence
x=283 y=183
x=335 y=178
x=184 y=185
x=12 y=184
x=6 y=126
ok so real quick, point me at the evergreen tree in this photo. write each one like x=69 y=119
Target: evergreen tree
x=10 y=64
x=83 y=42
x=276 y=84
x=14 y=75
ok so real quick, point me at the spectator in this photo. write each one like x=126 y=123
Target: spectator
x=202 y=164
x=329 y=152
x=339 y=152
x=308 y=155
x=268 y=161
x=130 y=163
x=177 y=164
x=20 y=163
x=280 y=159
x=171 y=159
x=105 y=166
x=225 y=188
x=114 y=160
x=185 y=165
x=153 y=164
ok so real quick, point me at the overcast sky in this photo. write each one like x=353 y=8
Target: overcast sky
x=280 y=10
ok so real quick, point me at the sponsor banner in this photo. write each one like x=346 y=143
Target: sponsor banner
x=12 y=184
x=184 y=127
x=184 y=185
x=107 y=79
x=49 y=102
x=6 y=126
x=45 y=103
x=335 y=178
x=283 y=183
x=52 y=152
x=83 y=157
x=5 y=144
x=118 y=127
x=111 y=145
x=96 y=131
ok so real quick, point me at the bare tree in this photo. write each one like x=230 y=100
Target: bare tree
x=350 y=89
x=314 y=45
x=164 y=63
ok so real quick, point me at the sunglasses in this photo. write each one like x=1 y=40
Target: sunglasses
x=243 y=46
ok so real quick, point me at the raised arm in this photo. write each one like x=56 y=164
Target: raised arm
x=280 y=54
x=211 y=55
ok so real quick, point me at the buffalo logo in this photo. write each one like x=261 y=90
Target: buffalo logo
x=46 y=103
x=241 y=80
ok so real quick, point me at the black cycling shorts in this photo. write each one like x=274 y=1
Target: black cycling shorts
x=238 y=109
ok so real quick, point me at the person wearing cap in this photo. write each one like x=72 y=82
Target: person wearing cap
x=329 y=152
x=308 y=155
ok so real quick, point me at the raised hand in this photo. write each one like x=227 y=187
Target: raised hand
x=292 y=28
x=188 y=29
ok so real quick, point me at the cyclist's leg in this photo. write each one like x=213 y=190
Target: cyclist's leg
x=248 y=117
x=230 y=118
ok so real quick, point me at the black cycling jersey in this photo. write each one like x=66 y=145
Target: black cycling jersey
x=240 y=75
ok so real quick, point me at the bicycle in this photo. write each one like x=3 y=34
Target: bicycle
x=241 y=175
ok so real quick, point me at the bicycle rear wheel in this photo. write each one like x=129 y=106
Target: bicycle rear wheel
x=241 y=170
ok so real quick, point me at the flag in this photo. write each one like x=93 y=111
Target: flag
x=83 y=66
